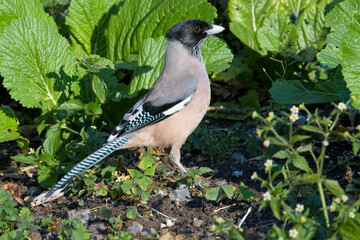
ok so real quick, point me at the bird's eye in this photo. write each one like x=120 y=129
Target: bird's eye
x=196 y=29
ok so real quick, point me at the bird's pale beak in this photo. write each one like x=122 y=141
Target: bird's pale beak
x=214 y=30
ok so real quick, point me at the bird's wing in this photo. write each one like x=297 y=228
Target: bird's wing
x=159 y=103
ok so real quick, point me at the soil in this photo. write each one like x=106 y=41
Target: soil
x=186 y=213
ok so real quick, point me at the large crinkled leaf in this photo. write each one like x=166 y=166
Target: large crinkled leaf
x=294 y=92
x=36 y=63
x=9 y=127
x=265 y=24
x=14 y=9
x=216 y=56
x=351 y=58
x=138 y=20
x=276 y=32
x=330 y=56
x=87 y=21
x=338 y=19
x=246 y=18
x=150 y=64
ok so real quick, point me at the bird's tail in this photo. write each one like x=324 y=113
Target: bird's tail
x=82 y=166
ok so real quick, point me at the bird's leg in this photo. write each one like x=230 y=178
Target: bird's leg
x=175 y=158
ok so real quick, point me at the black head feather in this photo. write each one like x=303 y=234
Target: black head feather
x=189 y=32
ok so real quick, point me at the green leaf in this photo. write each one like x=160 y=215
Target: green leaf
x=216 y=55
x=150 y=171
x=311 y=178
x=144 y=182
x=275 y=205
x=99 y=88
x=148 y=16
x=16 y=9
x=338 y=19
x=71 y=105
x=296 y=138
x=147 y=161
x=246 y=17
x=314 y=129
x=93 y=108
x=204 y=170
x=304 y=148
x=38 y=61
x=108 y=170
x=213 y=194
x=356 y=148
x=102 y=191
x=301 y=163
x=228 y=190
x=245 y=192
x=349 y=230
x=87 y=21
x=351 y=56
x=52 y=142
x=27 y=159
x=294 y=92
x=330 y=56
x=150 y=64
x=276 y=32
x=126 y=186
x=334 y=187
x=8 y=128
x=47 y=176
x=282 y=154
x=280 y=26
x=131 y=212
x=145 y=196
x=135 y=173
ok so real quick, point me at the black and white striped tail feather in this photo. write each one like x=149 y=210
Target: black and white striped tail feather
x=85 y=164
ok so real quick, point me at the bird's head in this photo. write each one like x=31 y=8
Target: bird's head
x=192 y=32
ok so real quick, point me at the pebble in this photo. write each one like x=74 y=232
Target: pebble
x=135 y=228
x=220 y=183
x=180 y=194
x=238 y=174
x=83 y=215
x=238 y=157
x=197 y=222
x=147 y=232
x=33 y=191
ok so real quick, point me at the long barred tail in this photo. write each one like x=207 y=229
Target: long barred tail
x=87 y=163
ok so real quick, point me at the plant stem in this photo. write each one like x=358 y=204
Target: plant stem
x=323 y=203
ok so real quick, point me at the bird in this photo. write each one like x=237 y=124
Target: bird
x=170 y=111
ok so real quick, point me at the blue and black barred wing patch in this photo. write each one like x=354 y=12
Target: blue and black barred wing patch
x=145 y=115
x=84 y=165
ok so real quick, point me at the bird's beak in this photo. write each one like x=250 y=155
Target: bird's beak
x=214 y=30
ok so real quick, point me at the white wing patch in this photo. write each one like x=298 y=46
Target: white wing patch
x=178 y=106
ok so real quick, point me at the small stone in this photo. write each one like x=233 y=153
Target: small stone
x=135 y=228
x=169 y=223
x=36 y=236
x=220 y=183
x=83 y=215
x=33 y=191
x=238 y=173
x=237 y=157
x=180 y=194
x=197 y=222
x=97 y=227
